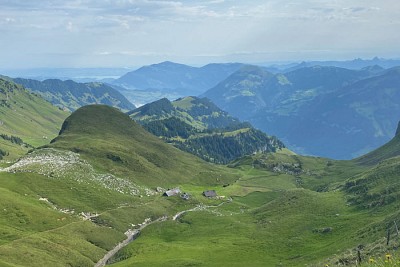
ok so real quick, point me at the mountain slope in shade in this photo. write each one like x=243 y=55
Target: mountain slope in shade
x=72 y=95
x=325 y=111
x=199 y=127
x=352 y=120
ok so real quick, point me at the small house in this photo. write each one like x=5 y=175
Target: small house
x=210 y=193
x=172 y=192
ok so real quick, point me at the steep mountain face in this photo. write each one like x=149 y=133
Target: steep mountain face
x=242 y=92
x=71 y=95
x=199 y=127
x=252 y=89
x=172 y=80
x=352 y=120
x=387 y=151
x=26 y=120
x=325 y=111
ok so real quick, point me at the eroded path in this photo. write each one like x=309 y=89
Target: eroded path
x=131 y=235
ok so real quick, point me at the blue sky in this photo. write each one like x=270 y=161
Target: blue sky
x=127 y=33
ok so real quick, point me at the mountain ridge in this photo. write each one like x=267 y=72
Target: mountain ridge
x=171 y=80
x=307 y=113
x=198 y=126
x=72 y=95
x=26 y=119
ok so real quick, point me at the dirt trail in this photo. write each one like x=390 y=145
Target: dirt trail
x=131 y=235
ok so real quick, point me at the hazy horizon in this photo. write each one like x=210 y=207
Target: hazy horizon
x=130 y=33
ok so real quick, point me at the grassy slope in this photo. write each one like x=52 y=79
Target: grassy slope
x=27 y=116
x=275 y=218
x=35 y=234
x=389 y=150
x=114 y=144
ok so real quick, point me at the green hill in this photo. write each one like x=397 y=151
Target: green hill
x=129 y=150
x=71 y=95
x=199 y=127
x=25 y=119
x=70 y=202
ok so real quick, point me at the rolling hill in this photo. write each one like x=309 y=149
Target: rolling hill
x=71 y=95
x=199 y=127
x=130 y=151
x=70 y=202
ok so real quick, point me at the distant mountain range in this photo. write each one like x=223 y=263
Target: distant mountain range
x=312 y=106
x=171 y=80
x=354 y=64
x=71 y=95
x=199 y=127
x=326 y=111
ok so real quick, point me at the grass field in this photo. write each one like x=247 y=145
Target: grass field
x=269 y=222
x=68 y=203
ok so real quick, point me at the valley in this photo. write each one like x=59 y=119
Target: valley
x=74 y=199
x=80 y=196
x=202 y=133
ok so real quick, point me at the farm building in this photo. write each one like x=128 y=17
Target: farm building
x=210 y=193
x=172 y=192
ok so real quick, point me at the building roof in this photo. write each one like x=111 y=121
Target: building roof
x=210 y=193
x=172 y=192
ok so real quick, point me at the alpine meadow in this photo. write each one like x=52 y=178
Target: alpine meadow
x=199 y=133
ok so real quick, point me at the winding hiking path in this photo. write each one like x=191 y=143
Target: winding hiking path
x=131 y=235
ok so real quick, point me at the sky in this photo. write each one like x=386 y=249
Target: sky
x=128 y=33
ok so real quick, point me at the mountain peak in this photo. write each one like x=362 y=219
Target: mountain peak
x=398 y=129
x=96 y=119
x=158 y=108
